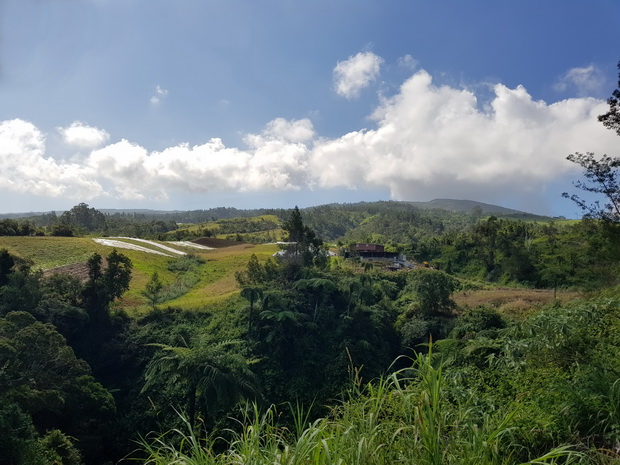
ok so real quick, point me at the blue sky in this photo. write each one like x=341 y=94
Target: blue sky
x=187 y=104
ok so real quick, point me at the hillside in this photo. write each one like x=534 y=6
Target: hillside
x=207 y=302
x=468 y=206
x=219 y=213
x=210 y=279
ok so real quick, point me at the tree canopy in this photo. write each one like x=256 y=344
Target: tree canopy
x=82 y=216
x=611 y=119
x=602 y=175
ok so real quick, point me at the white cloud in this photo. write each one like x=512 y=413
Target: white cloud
x=277 y=160
x=356 y=73
x=435 y=142
x=83 y=136
x=160 y=93
x=292 y=131
x=584 y=81
x=428 y=141
x=24 y=168
x=408 y=62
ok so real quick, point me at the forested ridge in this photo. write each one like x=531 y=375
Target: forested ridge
x=322 y=354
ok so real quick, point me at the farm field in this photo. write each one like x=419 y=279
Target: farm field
x=512 y=302
x=260 y=228
x=214 y=281
x=47 y=252
x=215 y=276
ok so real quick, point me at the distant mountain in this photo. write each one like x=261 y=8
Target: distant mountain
x=467 y=206
x=196 y=216
x=138 y=211
x=16 y=216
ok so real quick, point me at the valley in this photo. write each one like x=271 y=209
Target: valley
x=341 y=308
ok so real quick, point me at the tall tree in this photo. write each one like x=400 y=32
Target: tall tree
x=306 y=246
x=213 y=374
x=433 y=290
x=254 y=274
x=41 y=377
x=602 y=175
x=611 y=119
x=7 y=262
x=84 y=217
x=152 y=291
x=318 y=288
x=105 y=285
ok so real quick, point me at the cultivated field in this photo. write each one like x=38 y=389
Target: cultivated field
x=213 y=281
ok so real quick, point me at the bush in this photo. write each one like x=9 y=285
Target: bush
x=478 y=320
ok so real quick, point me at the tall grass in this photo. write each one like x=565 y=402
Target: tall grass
x=402 y=418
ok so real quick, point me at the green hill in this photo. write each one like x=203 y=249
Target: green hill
x=469 y=206
x=213 y=277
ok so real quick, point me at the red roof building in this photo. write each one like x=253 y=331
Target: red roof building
x=374 y=248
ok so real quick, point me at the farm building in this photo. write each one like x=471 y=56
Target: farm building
x=369 y=248
x=376 y=252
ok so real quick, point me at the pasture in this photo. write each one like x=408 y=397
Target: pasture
x=213 y=281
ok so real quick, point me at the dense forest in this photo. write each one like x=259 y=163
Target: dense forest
x=322 y=355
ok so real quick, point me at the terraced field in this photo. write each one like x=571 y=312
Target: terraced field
x=215 y=280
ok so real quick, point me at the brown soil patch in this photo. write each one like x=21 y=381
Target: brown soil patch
x=515 y=303
x=77 y=270
x=216 y=243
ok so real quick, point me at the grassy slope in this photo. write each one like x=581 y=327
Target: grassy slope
x=217 y=275
x=50 y=252
x=215 y=225
x=217 y=281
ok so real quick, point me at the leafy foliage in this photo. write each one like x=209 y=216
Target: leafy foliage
x=43 y=385
x=602 y=175
x=10 y=227
x=611 y=119
x=604 y=179
x=105 y=285
x=395 y=420
x=213 y=374
x=489 y=390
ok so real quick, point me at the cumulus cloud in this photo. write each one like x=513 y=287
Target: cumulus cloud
x=83 y=136
x=159 y=94
x=433 y=141
x=427 y=141
x=276 y=160
x=24 y=167
x=293 y=131
x=356 y=73
x=584 y=81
